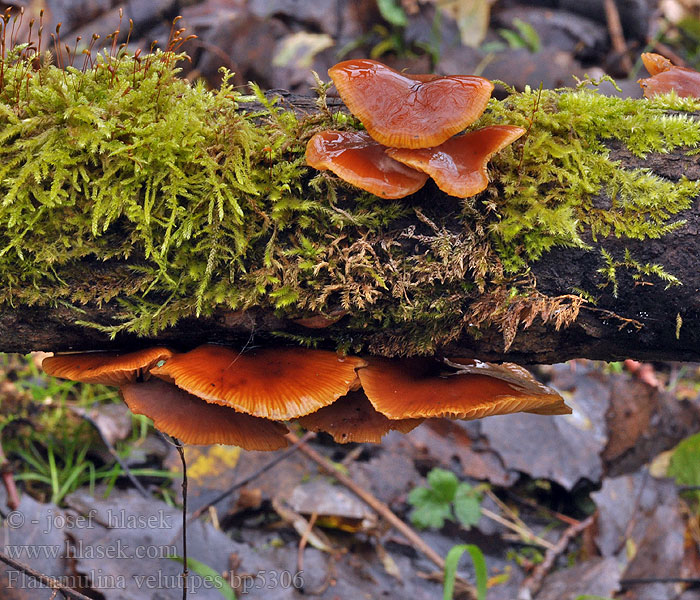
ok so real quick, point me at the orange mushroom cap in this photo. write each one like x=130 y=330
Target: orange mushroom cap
x=108 y=368
x=667 y=77
x=358 y=159
x=459 y=165
x=423 y=387
x=655 y=63
x=275 y=383
x=399 y=111
x=193 y=421
x=352 y=418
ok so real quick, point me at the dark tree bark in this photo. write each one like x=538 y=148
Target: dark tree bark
x=645 y=320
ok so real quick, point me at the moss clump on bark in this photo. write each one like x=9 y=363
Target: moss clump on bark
x=179 y=202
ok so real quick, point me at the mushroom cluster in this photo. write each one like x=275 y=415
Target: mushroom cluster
x=665 y=76
x=214 y=394
x=410 y=121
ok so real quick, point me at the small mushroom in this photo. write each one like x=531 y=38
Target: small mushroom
x=108 y=368
x=275 y=383
x=194 y=421
x=402 y=111
x=458 y=166
x=459 y=389
x=353 y=419
x=655 y=63
x=666 y=77
x=356 y=158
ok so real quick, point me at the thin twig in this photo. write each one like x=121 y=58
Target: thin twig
x=49 y=582
x=266 y=467
x=302 y=545
x=373 y=502
x=523 y=532
x=617 y=37
x=377 y=505
x=533 y=583
x=185 y=570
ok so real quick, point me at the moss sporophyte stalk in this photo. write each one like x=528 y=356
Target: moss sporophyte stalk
x=183 y=200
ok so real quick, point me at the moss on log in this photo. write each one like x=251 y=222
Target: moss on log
x=139 y=207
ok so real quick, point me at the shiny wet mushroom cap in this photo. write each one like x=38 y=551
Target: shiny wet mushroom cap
x=356 y=158
x=275 y=383
x=425 y=387
x=194 y=421
x=667 y=77
x=401 y=112
x=108 y=368
x=458 y=166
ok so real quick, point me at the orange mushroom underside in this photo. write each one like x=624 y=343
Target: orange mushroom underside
x=107 y=368
x=215 y=394
x=354 y=419
x=278 y=384
x=194 y=421
x=413 y=111
x=420 y=388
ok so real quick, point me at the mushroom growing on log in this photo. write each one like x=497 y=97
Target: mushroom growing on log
x=275 y=383
x=402 y=112
x=356 y=158
x=215 y=394
x=458 y=166
x=667 y=77
x=172 y=410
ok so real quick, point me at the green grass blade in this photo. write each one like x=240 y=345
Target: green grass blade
x=68 y=483
x=451 y=562
x=54 y=474
x=210 y=574
x=32 y=477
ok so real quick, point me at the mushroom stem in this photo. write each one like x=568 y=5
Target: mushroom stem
x=185 y=570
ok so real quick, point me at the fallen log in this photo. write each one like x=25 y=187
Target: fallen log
x=607 y=268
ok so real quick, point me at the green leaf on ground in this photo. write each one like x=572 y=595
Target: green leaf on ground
x=467 y=505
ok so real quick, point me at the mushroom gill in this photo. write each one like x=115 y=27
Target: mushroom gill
x=194 y=421
x=352 y=418
x=425 y=388
x=275 y=383
x=108 y=368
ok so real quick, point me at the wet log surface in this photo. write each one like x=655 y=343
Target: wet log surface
x=669 y=317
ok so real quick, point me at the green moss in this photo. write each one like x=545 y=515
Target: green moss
x=198 y=205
